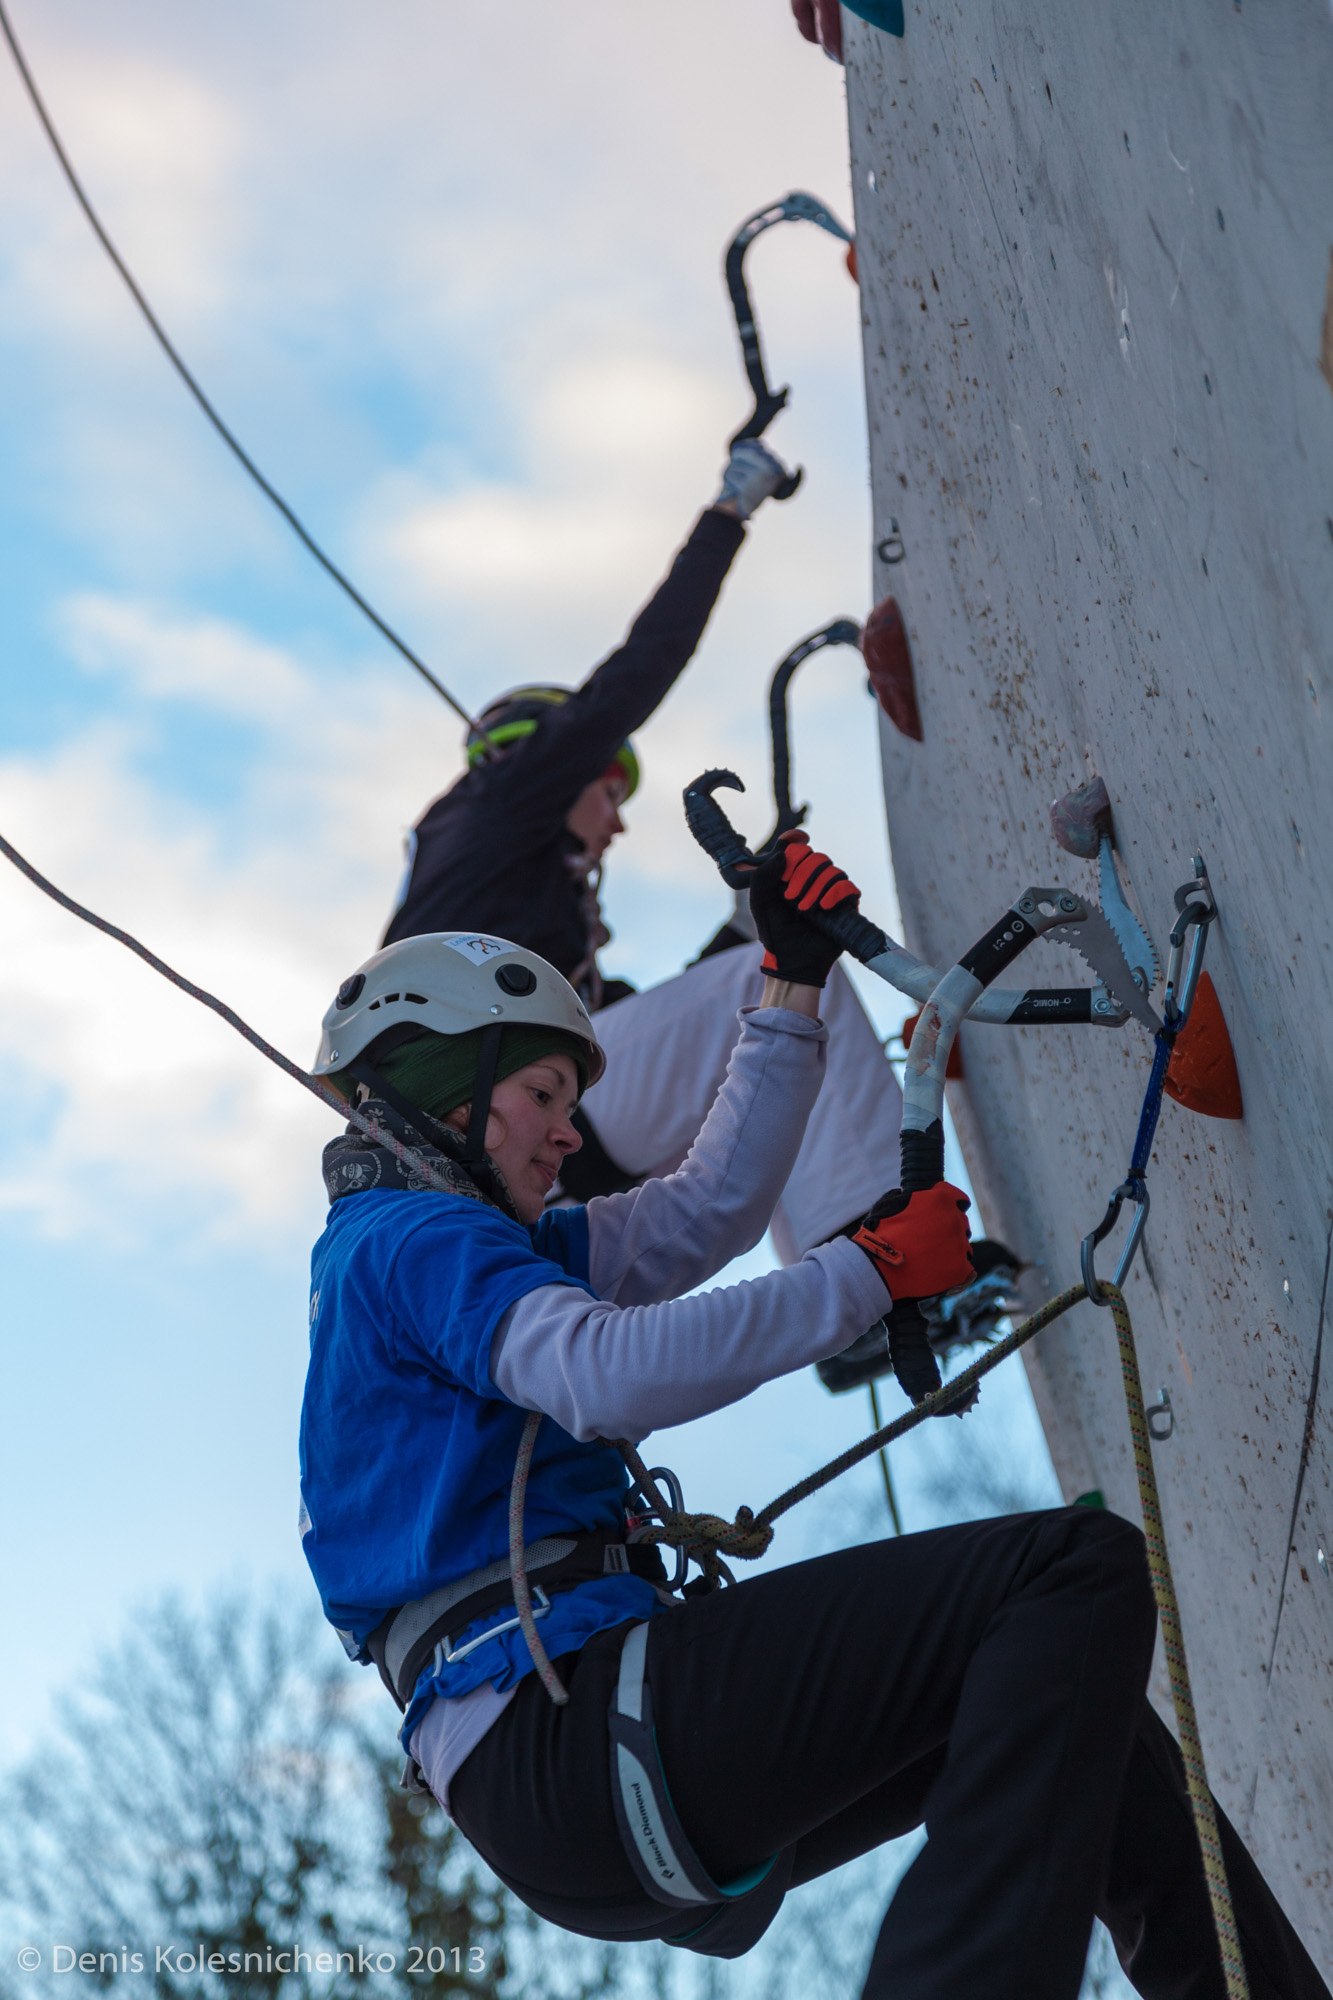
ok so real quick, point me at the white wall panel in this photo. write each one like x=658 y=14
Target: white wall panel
x=1095 y=255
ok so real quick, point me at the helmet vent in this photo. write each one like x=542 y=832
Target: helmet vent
x=417 y=999
x=515 y=978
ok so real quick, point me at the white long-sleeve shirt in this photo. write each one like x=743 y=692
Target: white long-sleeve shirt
x=639 y=1356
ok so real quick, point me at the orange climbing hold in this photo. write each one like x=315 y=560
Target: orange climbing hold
x=888 y=659
x=953 y=1069
x=1202 y=1074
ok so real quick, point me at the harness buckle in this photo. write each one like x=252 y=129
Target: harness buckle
x=446 y=1655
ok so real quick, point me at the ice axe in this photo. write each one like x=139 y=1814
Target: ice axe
x=840 y=632
x=883 y=646
x=1202 y=1072
x=795 y=207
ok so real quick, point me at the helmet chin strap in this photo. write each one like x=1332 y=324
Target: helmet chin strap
x=424 y=1123
x=488 y=1056
x=425 y=1126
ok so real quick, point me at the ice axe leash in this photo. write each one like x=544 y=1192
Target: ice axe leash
x=795 y=207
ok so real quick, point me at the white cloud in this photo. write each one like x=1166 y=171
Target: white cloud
x=161 y=657
x=157 y=149
x=482 y=336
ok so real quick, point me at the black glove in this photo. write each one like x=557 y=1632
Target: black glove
x=796 y=878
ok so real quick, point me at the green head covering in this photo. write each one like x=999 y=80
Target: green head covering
x=438 y=1071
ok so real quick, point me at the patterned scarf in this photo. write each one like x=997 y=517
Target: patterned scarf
x=354 y=1164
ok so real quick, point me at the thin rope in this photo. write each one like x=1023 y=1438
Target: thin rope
x=890 y=1497
x=518 y=1570
x=407 y=1155
x=229 y=438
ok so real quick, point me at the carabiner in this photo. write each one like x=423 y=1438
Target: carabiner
x=654 y=1508
x=1196 y=908
x=1129 y=1190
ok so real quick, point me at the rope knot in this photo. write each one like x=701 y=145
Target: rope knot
x=705 y=1537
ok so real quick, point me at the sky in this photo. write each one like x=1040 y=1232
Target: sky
x=453 y=275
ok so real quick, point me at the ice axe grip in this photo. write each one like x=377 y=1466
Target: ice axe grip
x=921 y=1166
x=921 y=1158
x=714 y=831
x=719 y=838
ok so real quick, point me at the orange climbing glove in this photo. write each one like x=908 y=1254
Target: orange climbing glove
x=918 y=1242
x=789 y=884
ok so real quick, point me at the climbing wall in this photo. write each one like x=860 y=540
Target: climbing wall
x=1095 y=256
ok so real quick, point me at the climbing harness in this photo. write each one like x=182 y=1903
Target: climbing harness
x=726 y=1919
x=191 y=382
x=709 y=1539
x=1108 y=1004
x=768 y=401
x=408 y=1638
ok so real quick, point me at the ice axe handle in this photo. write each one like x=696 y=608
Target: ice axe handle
x=921 y=1158
x=921 y=1165
x=714 y=831
x=719 y=838
x=755 y=428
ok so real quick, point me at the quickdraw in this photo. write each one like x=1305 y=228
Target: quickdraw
x=768 y=401
x=1196 y=910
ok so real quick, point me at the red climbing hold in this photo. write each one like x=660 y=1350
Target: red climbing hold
x=851 y=264
x=888 y=659
x=820 y=21
x=1202 y=1074
x=953 y=1069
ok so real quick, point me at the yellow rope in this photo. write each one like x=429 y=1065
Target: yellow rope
x=706 y=1536
x=1173 y=1642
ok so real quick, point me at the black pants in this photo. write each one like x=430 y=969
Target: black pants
x=987 y=1680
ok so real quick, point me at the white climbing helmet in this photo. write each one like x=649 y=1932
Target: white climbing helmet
x=451 y=982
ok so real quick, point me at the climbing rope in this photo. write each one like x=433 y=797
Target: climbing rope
x=706 y=1537
x=1173 y=1645
x=518 y=1569
x=229 y=438
x=710 y=1538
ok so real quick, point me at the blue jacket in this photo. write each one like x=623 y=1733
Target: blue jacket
x=408 y=1447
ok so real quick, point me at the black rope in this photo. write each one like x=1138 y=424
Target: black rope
x=314 y=1084
x=228 y=437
